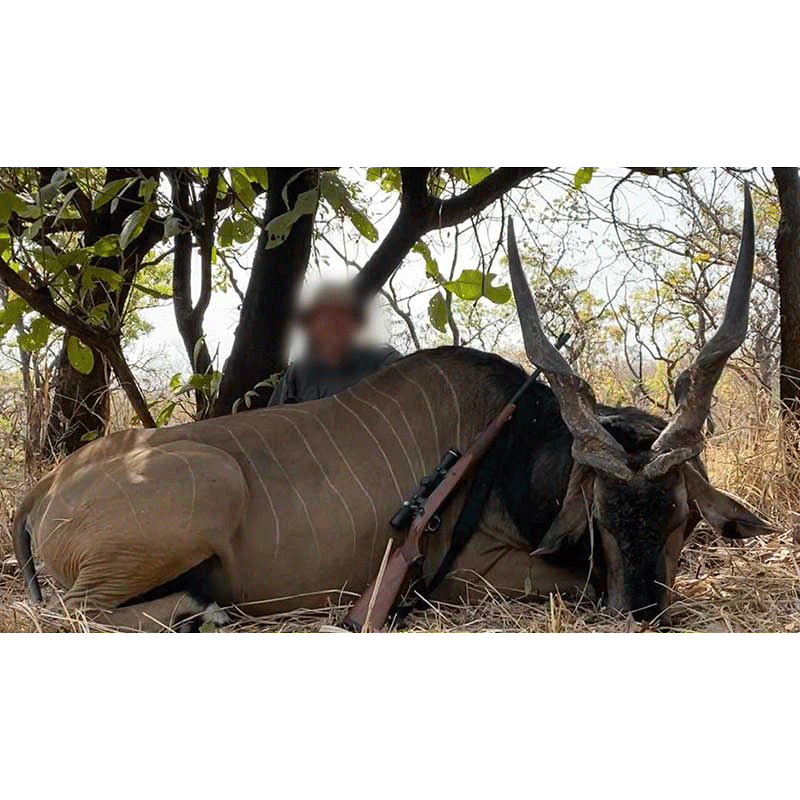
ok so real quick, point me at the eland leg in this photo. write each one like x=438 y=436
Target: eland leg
x=178 y=612
x=494 y=564
x=132 y=525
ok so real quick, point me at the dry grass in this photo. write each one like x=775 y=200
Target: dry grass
x=722 y=586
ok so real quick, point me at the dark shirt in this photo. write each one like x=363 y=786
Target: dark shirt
x=307 y=379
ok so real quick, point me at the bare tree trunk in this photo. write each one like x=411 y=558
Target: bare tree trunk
x=81 y=405
x=259 y=346
x=787 y=251
x=190 y=317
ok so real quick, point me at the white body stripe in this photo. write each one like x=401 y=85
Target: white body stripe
x=377 y=443
x=350 y=470
x=291 y=484
x=263 y=486
x=391 y=427
x=457 y=407
x=427 y=402
x=324 y=473
x=422 y=465
x=191 y=472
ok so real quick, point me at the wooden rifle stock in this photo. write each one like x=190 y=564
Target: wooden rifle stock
x=387 y=590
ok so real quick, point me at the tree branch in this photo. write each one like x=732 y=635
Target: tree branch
x=421 y=213
x=206 y=240
x=189 y=318
x=98 y=339
x=460 y=208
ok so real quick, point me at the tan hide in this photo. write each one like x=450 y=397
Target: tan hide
x=293 y=501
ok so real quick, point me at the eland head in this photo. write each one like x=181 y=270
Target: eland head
x=640 y=504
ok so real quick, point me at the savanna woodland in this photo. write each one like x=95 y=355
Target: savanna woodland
x=153 y=296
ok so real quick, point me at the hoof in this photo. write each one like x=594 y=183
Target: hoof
x=214 y=615
x=209 y=619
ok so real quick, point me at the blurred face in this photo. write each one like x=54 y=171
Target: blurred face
x=331 y=332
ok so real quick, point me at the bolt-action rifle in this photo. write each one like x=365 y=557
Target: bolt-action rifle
x=381 y=596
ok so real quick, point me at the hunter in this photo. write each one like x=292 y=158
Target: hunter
x=334 y=359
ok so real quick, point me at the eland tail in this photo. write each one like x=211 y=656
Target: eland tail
x=21 y=534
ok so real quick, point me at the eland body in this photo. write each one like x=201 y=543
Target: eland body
x=288 y=507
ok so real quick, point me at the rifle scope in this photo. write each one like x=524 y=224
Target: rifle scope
x=405 y=514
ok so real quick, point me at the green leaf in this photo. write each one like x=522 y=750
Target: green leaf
x=47 y=193
x=226 y=232
x=243 y=228
x=389 y=177
x=583 y=176
x=80 y=356
x=36 y=337
x=473 y=284
x=334 y=191
x=60 y=177
x=496 y=294
x=98 y=315
x=477 y=174
x=363 y=225
x=172 y=227
x=9 y=316
x=470 y=175
x=90 y=436
x=67 y=197
x=111 y=190
x=279 y=227
x=146 y=189
x=107 y=246
x=32 y=231
x=133 y=226
x=437 y=312
x=242 y=187
x=431 y=265
x=165 y=415
x=198 y=346
x=257 y=174
x=48 y=260
x=90 y=276
x=10 y=203
x=154 y=291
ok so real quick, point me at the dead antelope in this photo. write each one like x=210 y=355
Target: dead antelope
x=288 y=507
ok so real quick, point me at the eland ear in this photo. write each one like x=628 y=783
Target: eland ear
x=573 y=520
x=725 y=514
